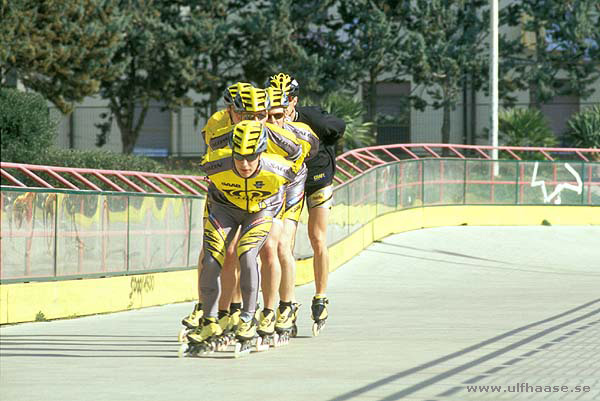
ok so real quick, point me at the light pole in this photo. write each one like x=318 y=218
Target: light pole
x=494 y=80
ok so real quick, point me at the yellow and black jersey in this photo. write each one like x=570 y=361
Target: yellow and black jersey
x=263 y=190
x=306 y=137
x=217 y=121
x=279 y=141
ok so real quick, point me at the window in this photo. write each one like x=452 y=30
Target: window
x=392 y=112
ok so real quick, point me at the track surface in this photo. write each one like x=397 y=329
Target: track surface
x=418 y=316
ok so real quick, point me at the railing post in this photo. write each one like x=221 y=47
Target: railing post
x=56 y=236
x=399 y=187
x=583 y=185
x=465 y=182
x=422 y=174
x=128 y=240
x=517 y=182
x=189 y=240
x=396 y=169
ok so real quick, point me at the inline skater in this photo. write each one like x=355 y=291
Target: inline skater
x=255 y=104
x=247 y=188
x=318 y=187
x=294 y=201
x=229 y=308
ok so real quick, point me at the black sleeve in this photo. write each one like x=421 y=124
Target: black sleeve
x=328 y=128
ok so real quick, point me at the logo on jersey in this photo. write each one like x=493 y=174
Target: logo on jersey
x=231 y=184
x=251 y=194
x=318 y=177
x=259 y=184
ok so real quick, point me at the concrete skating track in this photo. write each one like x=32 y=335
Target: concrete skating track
x=418 y=316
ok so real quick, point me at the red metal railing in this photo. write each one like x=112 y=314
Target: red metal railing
x=358 y=161
x=101 y=180
x=350 y=164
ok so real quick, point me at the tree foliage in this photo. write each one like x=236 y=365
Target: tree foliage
x=524 y=127
x=373 y=35
x=358 y=132
x=446 y=42
x=134 y=53
x=61 y=49
x=219 y=63
x=25 y=127
x=557 y=52
x=583 y=128
x=160 y=50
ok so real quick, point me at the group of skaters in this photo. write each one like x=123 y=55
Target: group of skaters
x=266 y=156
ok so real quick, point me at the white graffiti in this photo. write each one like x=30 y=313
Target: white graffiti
x=559 y=188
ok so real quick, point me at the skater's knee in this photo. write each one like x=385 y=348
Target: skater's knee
x=269 y=251
x=318 y=240
x=284 y=246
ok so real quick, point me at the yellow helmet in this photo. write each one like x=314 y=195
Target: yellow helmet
x=252 y=99
x=232 y=90
x=249 y=138
x=277 y=97
x=285 y=82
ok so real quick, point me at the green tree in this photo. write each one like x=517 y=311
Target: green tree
x=557 y=51
x=267 y=40
x=161 y=51
x=61 y=49
x=299 y=38
x=318 y=31
x=220 y=62
x=373 y=37
x=445 y=43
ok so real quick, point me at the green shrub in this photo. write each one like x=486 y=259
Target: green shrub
x=358 y=133
x=583 y=128
x=97 y=159
x=525 y=127
x=25 y=126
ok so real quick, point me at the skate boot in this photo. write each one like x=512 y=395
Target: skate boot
x=257 y=312
x=202 y=340
x=225 y=323
x=190 y=322
x=319 y=313
x=234 y=319
x=245 y=336
x=266 y=329
x=286 y=322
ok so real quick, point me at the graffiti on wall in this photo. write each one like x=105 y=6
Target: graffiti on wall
x=554 y=196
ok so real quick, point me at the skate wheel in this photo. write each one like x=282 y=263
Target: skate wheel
x=237 y=352
x=182 y=337
x=263 y=344
x=183 y=349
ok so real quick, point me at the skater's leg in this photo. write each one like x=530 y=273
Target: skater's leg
x=228 y=275
x=218 y=233
x=294 y=202
x=317 y=233
x=253 y=236
x=271 y=268
x=287 y=260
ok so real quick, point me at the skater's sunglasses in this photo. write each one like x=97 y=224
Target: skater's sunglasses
x=249 y=158
x=259 y=115
x=277 y=116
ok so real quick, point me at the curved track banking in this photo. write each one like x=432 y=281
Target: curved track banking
x=419 y=315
